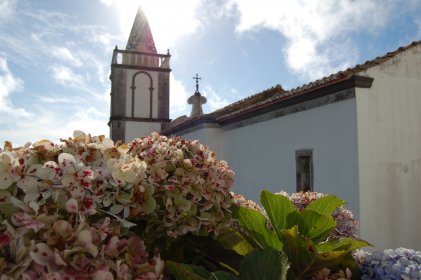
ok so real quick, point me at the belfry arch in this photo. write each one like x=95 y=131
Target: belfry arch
x=133 y=89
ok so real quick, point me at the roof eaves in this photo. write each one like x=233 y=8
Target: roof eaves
x=297 y=96
x=275 y=95
x=323 y=82
x=189 y=123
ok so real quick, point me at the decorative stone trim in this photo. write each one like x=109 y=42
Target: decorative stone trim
x=146 y=68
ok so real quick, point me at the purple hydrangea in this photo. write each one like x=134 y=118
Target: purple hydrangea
x=400 y=263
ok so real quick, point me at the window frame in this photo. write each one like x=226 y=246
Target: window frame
x=299 y=156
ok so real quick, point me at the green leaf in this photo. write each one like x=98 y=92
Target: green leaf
x=278 y=208
x=264 y=264
x=342 y=244
x=300 y=251
x=255 y=224
x=336 y=260
x=326 y=204
x=315 y=226
x=306 y=260
x=234 y=240
x=221 y=275
x=182 y=271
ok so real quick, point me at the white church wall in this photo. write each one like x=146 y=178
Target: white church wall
x=211 y=136
x=389 y=140
x=263 y=154
x=137 y=129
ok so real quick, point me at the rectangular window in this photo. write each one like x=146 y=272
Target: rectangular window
x=304 y=168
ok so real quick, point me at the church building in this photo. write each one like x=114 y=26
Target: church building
x=355 y=133
x=140 y=85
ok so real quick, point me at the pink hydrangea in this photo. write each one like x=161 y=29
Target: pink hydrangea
x=69 y=206
x=186 y=181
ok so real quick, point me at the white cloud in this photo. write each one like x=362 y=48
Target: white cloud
x=178 y=98
x=214 y=101
x=35 y=39
x=7 y=8
x=169 y=20
x=50 y=125
x=89 y=120
x=105 y=39
x=55 y=100
x=418 y=23
x=66 y=55
x=163 y=23
x=33 y=42
x=19 y=126
x=314 y=61
x=311 y=28
x=65 y=76
x=8 y=85
x=107 y=2
x=68 y=78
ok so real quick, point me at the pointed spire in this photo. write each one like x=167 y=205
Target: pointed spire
x=141 y=36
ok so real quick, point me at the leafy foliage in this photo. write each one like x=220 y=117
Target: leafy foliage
x=255 y=224
x=286 y=244
x=301 y=235
x=206 y=252
x=265 y=264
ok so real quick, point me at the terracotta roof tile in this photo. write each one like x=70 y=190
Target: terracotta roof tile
x=277 y=93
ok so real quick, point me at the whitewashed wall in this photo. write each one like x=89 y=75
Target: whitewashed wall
x=212 y=137
x=389 y=140
x=263 y=154
x=140 y=129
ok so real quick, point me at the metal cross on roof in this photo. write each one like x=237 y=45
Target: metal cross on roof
x=197 y=82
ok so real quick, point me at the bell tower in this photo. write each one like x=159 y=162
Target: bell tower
x=140 y=85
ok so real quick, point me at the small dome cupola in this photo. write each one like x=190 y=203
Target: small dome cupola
x=196 y=100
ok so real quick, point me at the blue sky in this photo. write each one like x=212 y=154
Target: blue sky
x=55 y=55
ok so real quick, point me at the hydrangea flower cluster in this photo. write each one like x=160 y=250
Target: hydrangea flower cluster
x=191 y=189
x=72 y=210
x=400 y=263
x=346 y=224
x=242 y=201
x=73 y=249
